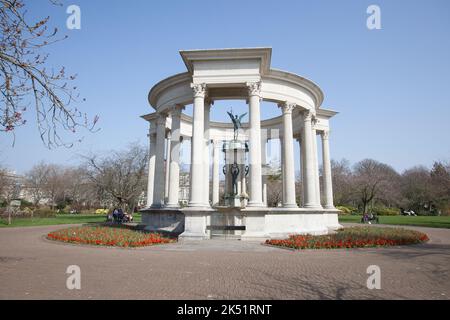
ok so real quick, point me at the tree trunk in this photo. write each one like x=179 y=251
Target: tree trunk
x=364 y=203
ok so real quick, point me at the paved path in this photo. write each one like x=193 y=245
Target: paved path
x=34 y=268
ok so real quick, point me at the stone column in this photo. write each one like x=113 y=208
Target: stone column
x=174 y=172
x=215 y=175
x=283 y=189
x=265 y=194
x=167 y=169
x=264 y=163
x=316 y=168
x=302 y=172
x=264 y=139
x=206 y=151
x=308 y=165
x=288 y=157
x=196 y=197
x=327 y=179
x=254 y=92
x=151 y=168
x=158 y=189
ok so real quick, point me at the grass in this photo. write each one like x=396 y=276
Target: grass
x=353 y=237
x=59 y=219
x=421 y=221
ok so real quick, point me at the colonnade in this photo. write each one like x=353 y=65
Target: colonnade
x=163 y=177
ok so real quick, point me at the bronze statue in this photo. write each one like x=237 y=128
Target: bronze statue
x=234 y=175
x=236 y=122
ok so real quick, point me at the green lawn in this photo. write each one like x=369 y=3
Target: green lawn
x=422 y=221
x=59 y=219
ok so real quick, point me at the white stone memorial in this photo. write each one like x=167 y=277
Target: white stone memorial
x=245 y=74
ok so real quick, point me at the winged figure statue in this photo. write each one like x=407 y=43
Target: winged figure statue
x=236 y=122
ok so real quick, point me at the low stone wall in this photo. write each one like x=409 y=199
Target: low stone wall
x=163 y=220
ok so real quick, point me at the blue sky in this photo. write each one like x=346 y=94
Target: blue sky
x=391 y=86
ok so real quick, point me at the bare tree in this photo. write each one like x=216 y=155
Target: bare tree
x=9 y=186
x=3 y=182
x=342 y=182
x=416 y=190
x=9 y=190
x=75 y=186
x=121 y=175
x=25 y=76
x=298 y=189
x=440 y=185
x=55 y=182
x=79 y=191
x=274 y=184
x=374 y=180
x=62 y=185
x=36 y=181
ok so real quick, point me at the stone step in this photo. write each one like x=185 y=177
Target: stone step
x=226 y=236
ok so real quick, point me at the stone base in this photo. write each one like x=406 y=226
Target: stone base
x=282 y=222
x=260 y=222
x=163 y=220
x=234 y=202
x=332 y=220
x=193 y=236
x=225 y=217
x=195 y=222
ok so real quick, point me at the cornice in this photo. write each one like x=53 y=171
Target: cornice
x=313 y=88
x=326 y=113
x=167 y=83
x=263 y=53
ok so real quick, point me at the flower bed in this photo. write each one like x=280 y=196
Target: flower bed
x=354 y=237
x=108 y=236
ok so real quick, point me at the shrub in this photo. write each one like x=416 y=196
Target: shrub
x=87 y=211
x=101 y=211
x=344 y=209
x=26 y=204
x=386 y=211
x=446 y=212
x=65 y=210
x=44 y=213
x=24 y=213
x=347 y=209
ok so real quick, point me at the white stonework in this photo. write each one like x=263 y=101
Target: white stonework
x=238 y=74
x=151 y=168
x=215 y=178
x=197 y=185
x=206 y=151
x=288 y=157
x=174 y=168
x=168 y=161
x=158 y=180
x=327 y=178
x=254 y=96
